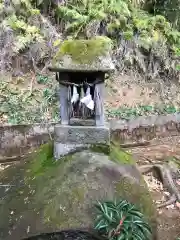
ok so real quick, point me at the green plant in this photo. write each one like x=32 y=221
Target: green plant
x=121 y=221
x=169 y=9
x=178 y=54
x=125 y=112
x=16 y=17
x=19 y=106
x=41 y=79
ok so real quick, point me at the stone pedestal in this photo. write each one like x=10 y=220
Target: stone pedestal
x=68 y=139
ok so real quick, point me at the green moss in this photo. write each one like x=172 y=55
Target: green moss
x=100 y=148
x=84 y=51
x=120 y=156
x=115 y=152
x=48 y=173
x=43 y=161
x=59 y=215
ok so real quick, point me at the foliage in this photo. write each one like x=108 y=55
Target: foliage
x=141 y=110
x=109 y=17
x=170 y=9
x=121 y=221
x=142 y=41
x=18 y=106
x=178 y=54
x=42 y=79
x=15 y=17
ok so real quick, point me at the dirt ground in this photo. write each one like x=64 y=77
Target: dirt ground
x=132 y=91
x=168 y=217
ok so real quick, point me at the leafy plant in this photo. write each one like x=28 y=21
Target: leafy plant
x=178 y=54
x=121 y=221
x=168 y=8
x=15 y=17
x=141 y=110
x=18 y=106
x=42 y=79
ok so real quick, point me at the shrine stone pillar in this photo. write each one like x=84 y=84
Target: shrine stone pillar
x=80 y=67
x=99 y=105
x=64 y=107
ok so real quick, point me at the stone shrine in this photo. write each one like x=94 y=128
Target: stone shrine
x=80 y=67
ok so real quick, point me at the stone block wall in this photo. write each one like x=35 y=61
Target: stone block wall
x=20 y=139
x=145 y=128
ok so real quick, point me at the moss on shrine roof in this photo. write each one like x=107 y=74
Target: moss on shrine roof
x=95 y=51
x=85 y=51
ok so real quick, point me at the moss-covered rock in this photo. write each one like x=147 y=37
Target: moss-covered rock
x=48 y=195
x=92 y=54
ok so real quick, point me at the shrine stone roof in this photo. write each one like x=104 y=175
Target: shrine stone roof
x=84 y=55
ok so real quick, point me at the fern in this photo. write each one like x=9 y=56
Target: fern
x=17 y=20
x=115 y=18
x=117 y=15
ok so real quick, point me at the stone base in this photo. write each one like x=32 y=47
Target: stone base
x=62 y=149
x=68 y=139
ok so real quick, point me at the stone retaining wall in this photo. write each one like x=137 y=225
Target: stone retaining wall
x=145 y=128
x=19 y=139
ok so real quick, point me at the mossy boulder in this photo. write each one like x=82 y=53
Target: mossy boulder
x=92 y=54
x=46 y=195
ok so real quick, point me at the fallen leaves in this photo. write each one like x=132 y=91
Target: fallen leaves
x=156 y=186
x=171 y=206
x=178 y=182
x=178 y=205
x=153 y=183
